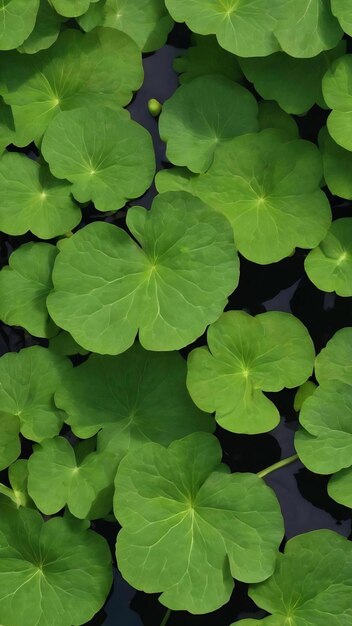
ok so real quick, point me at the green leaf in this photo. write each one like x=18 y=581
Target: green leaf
x=17 y=22
x=311 y=585
x=171 y=287
x=202 y=115
x=51 y=573
x=135 y=397
x=295 y=84
x=24 y=286
x=271 y=116
x=57 y=478
x=267 y=185
x=10 y=445
x=304 y=29
x=244 y=28
x=304 y=392
x=7 y=126
x=176 y=179
x=257 y=28
x=337 y=164
x=46 y=30
x=205 y=57
x=18 y=479
x=32 y=199
x=224 y=525
x=71 y=8
x=147 y=22
x=101 y=68
x=334 y=362
x=29 y=380
x=324 y=444
x=329 y=266
x=107 y=157
x=246 y=356
x=65 y=345
x=337 y=92
x=342 y=10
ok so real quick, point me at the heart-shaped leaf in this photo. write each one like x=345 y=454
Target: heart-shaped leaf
x=51 y=573
x=171 y=287
x=246 y=356
x=108 y=157
x=224 y=525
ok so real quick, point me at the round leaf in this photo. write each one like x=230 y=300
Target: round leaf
x=267 y=185
x=57 y=478
x=223 y=525
x=147 y=22
x=71 y=8
x=101 y=68
x=340 y=487
x=135 y=397
x=338 y=96
x=29 y=379
x=312 y=583
x=108 y=157
x=244 y=28
x=325 y=446
x=10 y=445
x=106 y=286
x=337 y=164
x=24 y=287
x=248 y=355
x=329 y=266
x=306 y=28
x=203 y=114
x=334 y=362
x=51 y=573
x=32 y=199
x=342 y=10
x=17 y=21
x=46 y=30
x=295 y=84
x=205 y=57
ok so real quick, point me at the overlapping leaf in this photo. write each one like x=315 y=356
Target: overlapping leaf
x=147 y=22
x=294 y=83
x=253 y=28
x=29 y=379
x=24 y=286
x=107 y=157
x=271 y=116
x=57 y=477
x=248 y=355
x=135 y=397
x=338 y=96
x=51 y=573
x=324 y=444
x=267 y=185
x=334 y=362
x=71 y=8
x=342 y=10
x=224 y=525
x=10 y=445
x=329 y=266
x=17 y=20
x=312 y=583
x=337 y=164
x=202 y=115
x=170 y=286
x=46 y=29
x=101 y=68
x=32 y=199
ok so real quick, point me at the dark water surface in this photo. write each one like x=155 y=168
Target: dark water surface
x=281 y=287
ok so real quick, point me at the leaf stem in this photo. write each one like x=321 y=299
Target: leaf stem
x=278 y=465
x=6 y=491
x=166 y=618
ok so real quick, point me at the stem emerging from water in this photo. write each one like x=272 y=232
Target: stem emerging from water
x=166 y=618
x=278 y=465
